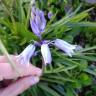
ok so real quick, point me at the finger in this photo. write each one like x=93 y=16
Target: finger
x=6 y=71
x=31 y=70
x=19 y=86
x=24 y=70
x=3 y=59
x=1 y=90
x=27 y=69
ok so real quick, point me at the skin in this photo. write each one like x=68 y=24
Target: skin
x=17 y=83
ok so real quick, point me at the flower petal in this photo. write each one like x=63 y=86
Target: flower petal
x=46 y=54
x=28 y=52
x=42 y=17
x=65 y=46
x=34 y=28
x=40 y=20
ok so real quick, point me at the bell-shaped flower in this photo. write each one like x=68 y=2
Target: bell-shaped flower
x=46 y=54
x=37 y=21
x=28 y=52
x=65 y=46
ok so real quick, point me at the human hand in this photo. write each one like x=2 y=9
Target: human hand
x=28 y=76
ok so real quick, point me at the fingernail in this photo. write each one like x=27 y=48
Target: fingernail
x=34 y=80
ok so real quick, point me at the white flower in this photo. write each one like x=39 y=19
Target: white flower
x=28 y=52
x=65 y=46
x=46 y=54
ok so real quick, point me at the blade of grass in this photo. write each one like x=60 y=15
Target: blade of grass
x=7 y=10
x=49 y=90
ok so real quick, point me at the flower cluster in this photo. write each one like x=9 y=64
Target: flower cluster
x=38 y=24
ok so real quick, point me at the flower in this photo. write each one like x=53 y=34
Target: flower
x=64 y=46
x=37 y=21
x=46 y=54
x=38 y=24
x=28 y=52
x=50 y=15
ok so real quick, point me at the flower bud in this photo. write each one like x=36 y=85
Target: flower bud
x=65 y=46
x=46 y=54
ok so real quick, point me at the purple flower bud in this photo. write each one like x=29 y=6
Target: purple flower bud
x=46 y=54
x=37 y=21
x=50 y=14
x=65 y=46
x=28 y=52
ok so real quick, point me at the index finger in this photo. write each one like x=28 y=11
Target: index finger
x=7 y=72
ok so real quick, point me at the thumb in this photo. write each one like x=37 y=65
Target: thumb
x=19 y=86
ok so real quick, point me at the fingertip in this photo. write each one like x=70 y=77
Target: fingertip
x=33 y=80
x=38 y=72
x=35 y=71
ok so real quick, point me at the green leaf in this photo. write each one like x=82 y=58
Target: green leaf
x=92 y=72
x=25 y=33
x=69 y=92
x=49 y=90
x=87 y=49
x=85 y=79
x=20 y=11
x=81 y=24
x=89 y=58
